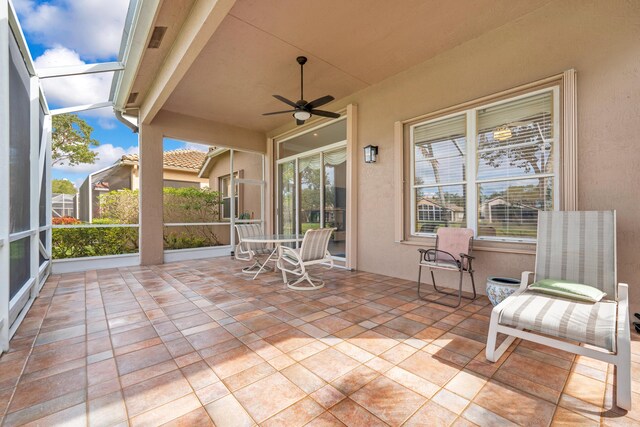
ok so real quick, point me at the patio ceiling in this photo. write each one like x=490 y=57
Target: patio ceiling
x=350 y=45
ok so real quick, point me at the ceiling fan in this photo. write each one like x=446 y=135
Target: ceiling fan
x=303 y=110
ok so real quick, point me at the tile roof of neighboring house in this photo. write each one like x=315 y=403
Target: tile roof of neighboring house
x=182 y=158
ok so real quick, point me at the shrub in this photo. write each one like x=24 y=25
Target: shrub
x=89 y=241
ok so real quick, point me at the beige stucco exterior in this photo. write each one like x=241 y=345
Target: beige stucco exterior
x=600 y=40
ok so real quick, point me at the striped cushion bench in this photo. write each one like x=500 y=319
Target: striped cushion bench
x=587 y=323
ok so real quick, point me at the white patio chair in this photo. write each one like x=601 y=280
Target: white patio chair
x=579 y=247
x=314 y=250
x=246 y=251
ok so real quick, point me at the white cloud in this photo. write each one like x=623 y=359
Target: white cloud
x=75 y=90
x=194 y=146
x=93 y=28
x=107 y=155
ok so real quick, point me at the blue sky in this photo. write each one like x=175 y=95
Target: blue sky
x=71 y=32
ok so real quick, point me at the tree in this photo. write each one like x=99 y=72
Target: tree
x=71 y=141
x=63 y=186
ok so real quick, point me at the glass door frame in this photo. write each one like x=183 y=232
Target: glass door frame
x=295 y=158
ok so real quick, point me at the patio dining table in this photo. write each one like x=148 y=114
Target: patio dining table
x=276 y=240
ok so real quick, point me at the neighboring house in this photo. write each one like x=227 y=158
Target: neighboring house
x=180 y=169
x=432 y=214
x=63 y=205
x=498 y=210
x=216 y=170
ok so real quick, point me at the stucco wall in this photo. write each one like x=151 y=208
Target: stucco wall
x=601 y=40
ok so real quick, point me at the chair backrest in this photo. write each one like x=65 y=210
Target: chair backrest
x=315 y=244
x=456 y=241
x=578 y=246
x=250 y=230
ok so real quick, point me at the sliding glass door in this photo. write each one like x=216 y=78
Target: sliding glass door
x=335 y=198
x=313 y=194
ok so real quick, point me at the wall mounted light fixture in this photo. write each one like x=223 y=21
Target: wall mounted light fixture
x=370 y=153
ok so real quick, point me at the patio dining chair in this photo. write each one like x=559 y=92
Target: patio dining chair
x=255 y=252
x=578 y=247
x=314 y=250
x=452 y=253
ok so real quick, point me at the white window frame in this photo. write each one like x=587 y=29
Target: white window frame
x=471 y=161
x=223 y=187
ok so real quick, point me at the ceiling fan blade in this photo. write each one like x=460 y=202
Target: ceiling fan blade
x=299 y=122
x=319 y=102
x=323 y=113
x=278 y=112
x=285 y=100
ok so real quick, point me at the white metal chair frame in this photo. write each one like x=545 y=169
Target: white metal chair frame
x=621 y=358
x=290 y=261
x=244 y=252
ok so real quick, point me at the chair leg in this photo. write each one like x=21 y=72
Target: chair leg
x=305 y=277
x=458 y=295
x=492 y=337
x=492 y=353
x=623 y=369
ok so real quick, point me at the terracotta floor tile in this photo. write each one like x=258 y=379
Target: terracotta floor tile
x=154 y=392
x=405 y=325
x=73 y=416
x=268 y=396
x=585 y=388
x=325 y=420
x=212 y=392
x=209 y=337
x=429 y=367
x=373 y=342
x=303 y=378
x=196 y=418
x=327 y=396
x=233 y=361
x=431 y=414
x=296 y=415
x=289 y=340
x=412 y=381
x=352 y=414
x=388 y=400
x=355 y=379
x=484 y=417
x=142 y=358
x=332 y=324
x=36 y=392
x=107 y=410
x=167 y=412
x=466 y=384
x=522 y=408
x=450 y=401
x=227 y=412
x=330 y=364
x=199 y=375
x=57 y=404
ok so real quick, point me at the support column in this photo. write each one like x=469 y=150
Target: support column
x=150 y=220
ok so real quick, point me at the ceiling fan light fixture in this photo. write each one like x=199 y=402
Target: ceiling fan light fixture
x=502 y=133
x=302 y=115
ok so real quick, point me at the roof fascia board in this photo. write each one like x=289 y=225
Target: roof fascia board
x=133 y=49
x=203 y=20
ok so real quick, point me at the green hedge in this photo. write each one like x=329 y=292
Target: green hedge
x=85 y=242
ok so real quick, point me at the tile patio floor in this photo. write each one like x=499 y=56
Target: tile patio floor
x=197 y=343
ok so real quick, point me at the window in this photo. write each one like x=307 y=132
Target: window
x=491 y=168
x=224 y=185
